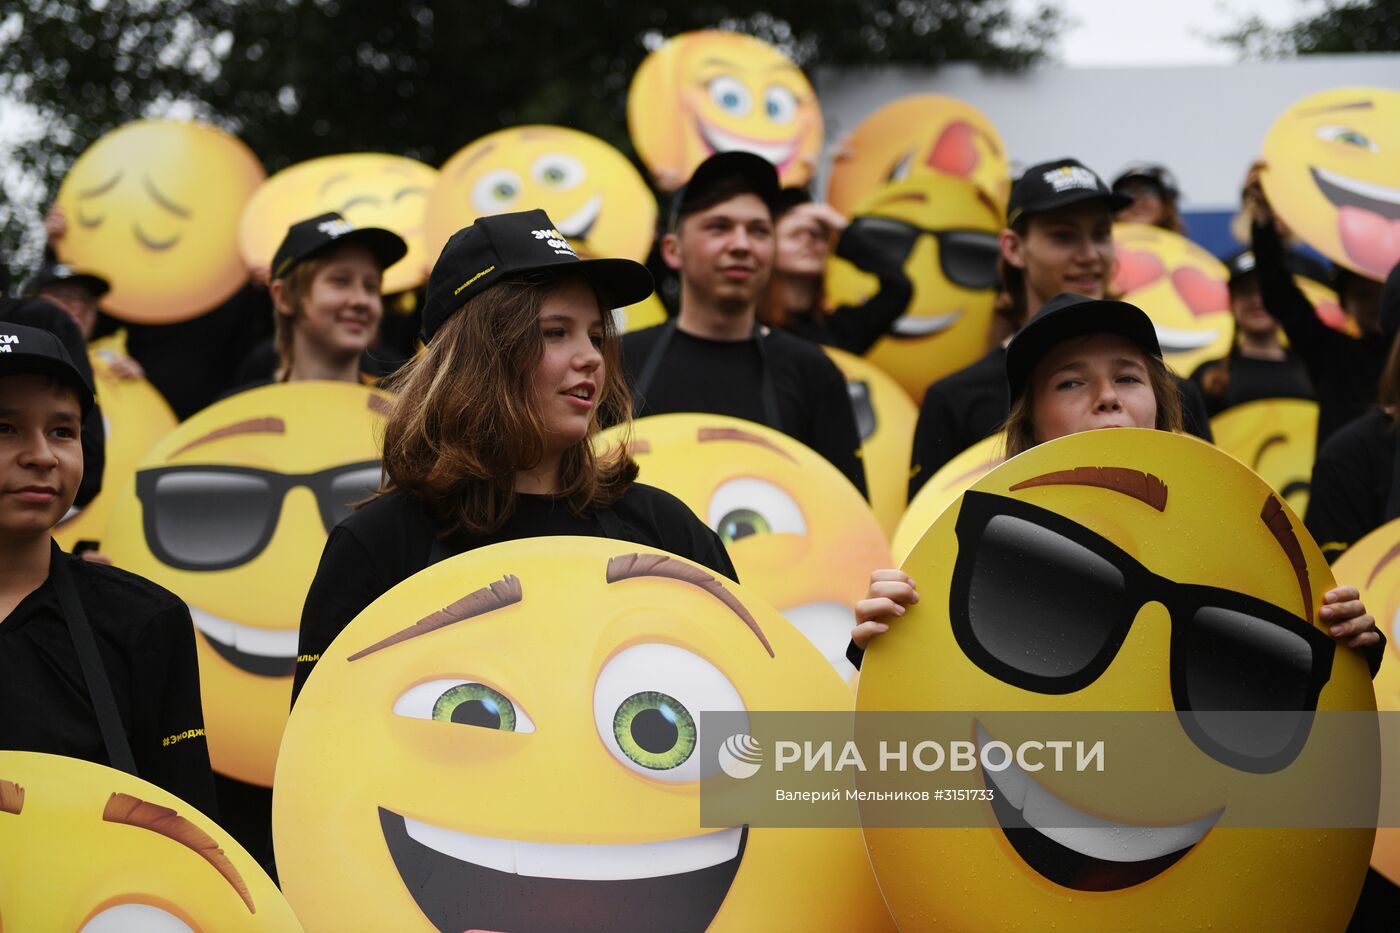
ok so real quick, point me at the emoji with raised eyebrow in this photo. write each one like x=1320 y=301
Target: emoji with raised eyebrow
x=1128 y=571
x=86 y=847
x=230 y=511
x=509 y=740
x=153 y=207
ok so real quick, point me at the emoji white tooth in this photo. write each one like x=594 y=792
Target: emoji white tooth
x=720 y=141
x=909 y=325
x=498 y=854
x=221 y=630
x=269 y=643
x=827 y=625
x=1175 y=340
x=577 y=223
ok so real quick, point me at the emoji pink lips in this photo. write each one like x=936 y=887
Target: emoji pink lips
x=1368 y=220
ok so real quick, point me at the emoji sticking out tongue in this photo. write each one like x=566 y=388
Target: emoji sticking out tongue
x=1370 y=240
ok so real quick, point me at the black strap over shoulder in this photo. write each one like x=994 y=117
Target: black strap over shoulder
x=99 y=688
x=768 y=393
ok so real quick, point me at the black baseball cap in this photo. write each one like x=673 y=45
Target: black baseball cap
x=503 y=245
x=1066 y=316
x=1159 y=175
x=25 y=349
x=57 y=273
x=756 y=174
x=306 y=238
x=1052 y=185
x=1241 y=266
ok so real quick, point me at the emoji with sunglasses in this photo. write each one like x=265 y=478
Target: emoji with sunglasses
x=941 y=232
x=1374 y=562
x=1145 y=572
x=89 y=848
x=369 y=189
x=153 y=207
x=1333 y=159
x=509 y=740
x=799 y=533
x=230 y=512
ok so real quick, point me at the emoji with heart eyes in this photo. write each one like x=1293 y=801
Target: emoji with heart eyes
x=153 y=207
x=1143 y=572
x=1333 y=164
x=230 y=512
x=368 y=189
x=88 y=848
x=509 y=740
x=711 y=91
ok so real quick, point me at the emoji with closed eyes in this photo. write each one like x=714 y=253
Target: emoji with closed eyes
x=510 y=740
x=87 y=848
x=153 y=207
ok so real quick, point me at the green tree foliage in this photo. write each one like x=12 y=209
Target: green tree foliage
x=1339 y=27
x=302 y=78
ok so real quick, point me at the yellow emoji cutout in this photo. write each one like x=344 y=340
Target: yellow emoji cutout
x=941 y=231
x=230 y=512
x=1327 y=305
x=90 y=849
x=134 y=416
x=1129 y=571
x=943 y=489
x=1181 y=286
x=799 y=534
x=1333 y=161
x=369 y=189
x=915 y=135
x=1276 y=438
x=153 y=207
x=1371 y=565
x=509 y=740
x=885 y=418
x=712 y=91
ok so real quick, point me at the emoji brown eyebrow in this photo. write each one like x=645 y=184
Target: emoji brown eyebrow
x=411 y=189
x=504 y=592
x=379 y=405
x=11 y=798
x=1270 y=441
x=133 y=811
x=1276 y=520
x=1143 y=487
x=633 y=566
x=102 y=188
x=705 y=435
x=333 y=180
x=487 y=150
x=1354 y=105
x=251 y=426
x=162 y=200
x=718 y=63
x=1386 y=559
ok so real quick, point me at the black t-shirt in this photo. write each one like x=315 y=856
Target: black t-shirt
x=391 y=539
x=725 y=377
x=1351 y=483
x=1251 y=379
x=146 y=641
x=855 y=328
x=971 y=404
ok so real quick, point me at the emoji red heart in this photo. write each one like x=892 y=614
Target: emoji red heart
x=1202 y=294
x=1136 y=270
x=954 y=153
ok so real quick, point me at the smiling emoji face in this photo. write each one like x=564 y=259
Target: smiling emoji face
x=1181 y=286
x=1333 y=162
x=231 y=512
x=798 y=532
x=1276 y=438
x=942 y=231
x=366 y=188
x=943 y=489
x=153 y=207
x=88 y=848
x=508 y=740
x=1127 y=571
x=711 y=91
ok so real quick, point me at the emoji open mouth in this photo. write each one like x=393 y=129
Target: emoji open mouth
x=466 y=882
x=1368 y=220
x=720 y=141
x=910 y=326
x=1175 y=340
x=260 y=651
x=578 y=224
x=1079 y=851
x=827 y=625
x=1348 y=192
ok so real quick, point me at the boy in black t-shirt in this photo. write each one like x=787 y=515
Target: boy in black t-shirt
x=714 y=356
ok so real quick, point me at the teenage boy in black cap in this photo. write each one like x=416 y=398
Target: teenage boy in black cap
x=1058 y=239
x=714 y=356
x=95 y=662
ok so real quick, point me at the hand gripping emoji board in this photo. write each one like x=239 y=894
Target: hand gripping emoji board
x=508 y=741
x=1046 y=587
x=88 y=848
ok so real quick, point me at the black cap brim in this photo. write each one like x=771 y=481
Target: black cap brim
x=386 y=246
x=32 y=364
x=617 y=282
x=1115 y=202
x=1044 y=333
x=760 y=175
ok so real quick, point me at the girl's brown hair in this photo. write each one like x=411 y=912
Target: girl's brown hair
x=1020 y=424
x=465 y=421
x=1389 y=390
x=296 y=285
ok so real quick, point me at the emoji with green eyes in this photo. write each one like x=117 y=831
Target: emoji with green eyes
x=369 y=189
x=940 y=232
x=509 y=740
x=1333 y=164
x=1130 y=571
x=230 y=512
x=711 y=91
x=799 y=533
x=153 y=207
x=91 y=849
